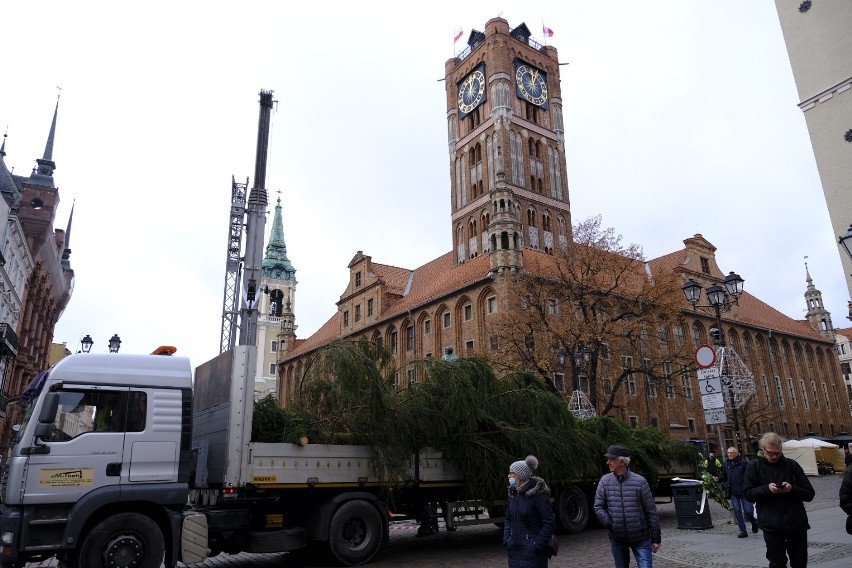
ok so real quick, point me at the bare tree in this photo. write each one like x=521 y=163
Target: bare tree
x=598 y=297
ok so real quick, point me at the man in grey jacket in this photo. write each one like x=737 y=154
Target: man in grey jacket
x=625 y=506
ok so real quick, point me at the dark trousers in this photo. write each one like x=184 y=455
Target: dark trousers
x=779 y=545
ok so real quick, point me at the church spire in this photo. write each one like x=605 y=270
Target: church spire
x=66 y=254
x=8 y=188
x=43 y=174
x=275 y=262
x=817 y=315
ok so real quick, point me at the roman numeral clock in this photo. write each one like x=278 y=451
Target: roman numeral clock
x=471 y=91
x=531 y=83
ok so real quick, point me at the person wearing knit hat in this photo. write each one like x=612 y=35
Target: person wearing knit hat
x=529 y=523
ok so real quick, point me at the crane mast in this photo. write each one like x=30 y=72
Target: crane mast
x=255 y=226
x=251 y=220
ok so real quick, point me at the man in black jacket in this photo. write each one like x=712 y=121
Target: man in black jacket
x=779 y=488
x=733 y=472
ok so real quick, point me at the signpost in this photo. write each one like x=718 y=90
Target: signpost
x=715 y=416
x=710 y=386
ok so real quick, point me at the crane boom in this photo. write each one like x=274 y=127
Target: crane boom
x=230 y=303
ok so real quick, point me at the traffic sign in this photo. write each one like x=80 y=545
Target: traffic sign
x=709 y=401
x=705 y=356
x=715 y=416
x=709 y=381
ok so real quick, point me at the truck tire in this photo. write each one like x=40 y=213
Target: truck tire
x=572 y=509
x=355 y=532
x=127 y=540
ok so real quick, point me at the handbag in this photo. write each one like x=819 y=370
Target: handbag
x=553 y=543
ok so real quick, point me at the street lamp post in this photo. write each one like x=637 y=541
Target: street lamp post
x=720 y=299
x=86 y=343
x=114 y=343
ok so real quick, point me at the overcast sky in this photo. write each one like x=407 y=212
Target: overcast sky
x=680 y=118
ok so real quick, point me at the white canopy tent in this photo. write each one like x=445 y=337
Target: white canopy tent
x=809 y=451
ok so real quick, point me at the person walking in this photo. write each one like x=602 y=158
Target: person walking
x=625 y=506
x=712 y=465
x=847 y=456
x=529 y=520
x=779 y=488
x=846 y=497
x=733 y=473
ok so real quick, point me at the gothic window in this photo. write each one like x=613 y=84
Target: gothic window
x=680 y=340
x=392 y=341
x=697 y=334
x=492 y=304
x=427 y=327
x=409 y=338
x=531 y=217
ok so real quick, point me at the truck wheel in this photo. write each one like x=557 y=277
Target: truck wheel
x=572 y=509
x=355 y=532
x=126 y=540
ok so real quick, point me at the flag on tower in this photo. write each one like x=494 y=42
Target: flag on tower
x=458 y=34
x=546 y=31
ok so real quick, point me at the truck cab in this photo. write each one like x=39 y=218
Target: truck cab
x=105 y=444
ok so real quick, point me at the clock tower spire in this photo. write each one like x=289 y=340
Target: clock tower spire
x=503 y=91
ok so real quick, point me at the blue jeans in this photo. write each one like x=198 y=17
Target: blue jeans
x=642 y=551
x=740 y=506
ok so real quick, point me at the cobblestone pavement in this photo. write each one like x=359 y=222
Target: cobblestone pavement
x=479 y=546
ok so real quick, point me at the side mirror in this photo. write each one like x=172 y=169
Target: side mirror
x=49 y=408
x=46 y=417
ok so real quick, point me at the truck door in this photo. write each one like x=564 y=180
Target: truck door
x=153 y=433
x=85 y=447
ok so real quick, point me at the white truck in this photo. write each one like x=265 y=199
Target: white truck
x=123 y=462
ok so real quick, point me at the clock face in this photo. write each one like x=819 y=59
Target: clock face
x=531 y=83
x=471 y=91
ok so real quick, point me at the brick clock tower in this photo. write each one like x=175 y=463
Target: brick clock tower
x=509 y=187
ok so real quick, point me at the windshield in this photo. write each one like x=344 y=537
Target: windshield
x=27 y=400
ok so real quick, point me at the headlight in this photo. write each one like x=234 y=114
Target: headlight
x=7 y=537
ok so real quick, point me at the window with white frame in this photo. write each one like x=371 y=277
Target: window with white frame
x=804 y=394
x=491 y=302
x=272 y=368
x=427 y=327
x=779 y=392
x=552 y=307
x=825 y=396
x=792 y=389
x=273 y=346
x=686 y=381
x=446 y=318
x=667 y=378
x=468 y=312
x=627 y=363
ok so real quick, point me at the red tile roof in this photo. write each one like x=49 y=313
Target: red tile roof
x=441 y=277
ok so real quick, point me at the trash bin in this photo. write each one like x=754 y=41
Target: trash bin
x=691 y=506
